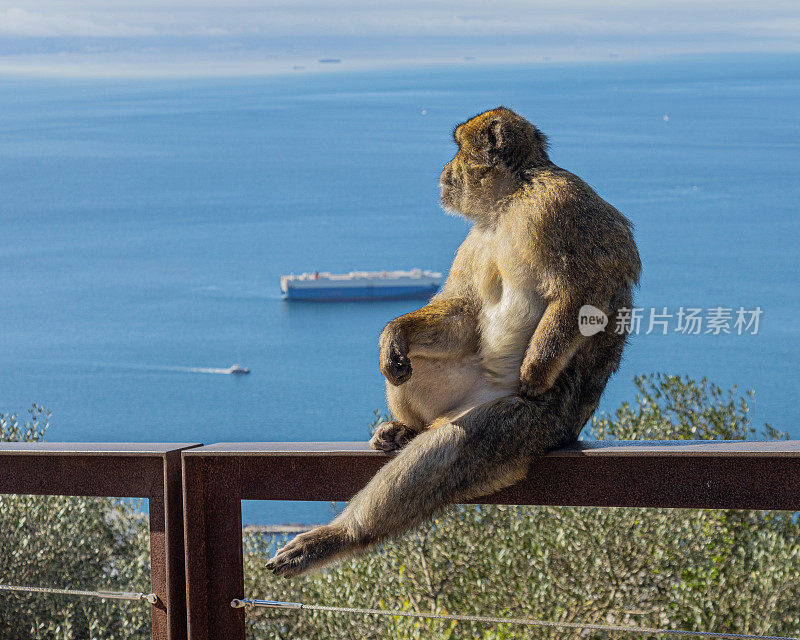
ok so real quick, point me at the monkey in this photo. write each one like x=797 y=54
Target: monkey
x=494 y=371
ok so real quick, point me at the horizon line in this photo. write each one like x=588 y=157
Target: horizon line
x=328 y=65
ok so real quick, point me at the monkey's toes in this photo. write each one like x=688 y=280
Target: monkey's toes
x=307 y=551
x=287 y=562
x=391 y=436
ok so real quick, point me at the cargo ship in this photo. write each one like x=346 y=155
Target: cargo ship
x=361 y=285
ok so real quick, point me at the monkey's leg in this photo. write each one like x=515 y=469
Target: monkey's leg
x=485 y=450
x=392 y=435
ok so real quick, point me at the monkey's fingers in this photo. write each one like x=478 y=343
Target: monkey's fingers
x=531 y=389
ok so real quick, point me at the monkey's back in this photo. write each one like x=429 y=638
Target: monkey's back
x=577 y=241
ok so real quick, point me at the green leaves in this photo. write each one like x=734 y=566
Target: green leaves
x=672 y=407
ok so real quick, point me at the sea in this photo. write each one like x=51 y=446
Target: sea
x=144 y=225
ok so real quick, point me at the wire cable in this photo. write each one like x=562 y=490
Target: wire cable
x=152 y=598
x=248 y=604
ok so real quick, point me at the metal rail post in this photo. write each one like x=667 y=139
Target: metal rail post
x=134 y=470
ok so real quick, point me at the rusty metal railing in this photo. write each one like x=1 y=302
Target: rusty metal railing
x=681 y=474
x=204 y=525
x=151 y=471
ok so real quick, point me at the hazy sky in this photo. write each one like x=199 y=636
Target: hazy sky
x=143 y=37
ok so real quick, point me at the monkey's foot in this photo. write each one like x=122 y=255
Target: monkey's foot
x=310 y=550
x=391 y=436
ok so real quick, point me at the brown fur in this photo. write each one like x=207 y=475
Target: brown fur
x=494 y=372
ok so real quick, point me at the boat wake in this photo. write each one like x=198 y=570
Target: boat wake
x=129 y=366
x=212 y=370
x=232 y=370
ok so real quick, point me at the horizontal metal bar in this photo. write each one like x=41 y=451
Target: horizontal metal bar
x=747 y=448
x=127 y=449
x=679 y=474
x=78 y=475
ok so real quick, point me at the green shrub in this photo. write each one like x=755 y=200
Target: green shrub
x=75 y=543
x=718 y=570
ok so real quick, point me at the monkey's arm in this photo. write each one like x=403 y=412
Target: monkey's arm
x=553 y=344
x=444 y=328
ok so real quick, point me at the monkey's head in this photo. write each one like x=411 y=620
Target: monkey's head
x=494 y=149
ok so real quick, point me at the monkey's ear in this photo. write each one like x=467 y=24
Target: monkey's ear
x=494 y=134
x=501 y=144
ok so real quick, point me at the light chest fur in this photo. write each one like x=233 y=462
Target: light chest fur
x=512 y=305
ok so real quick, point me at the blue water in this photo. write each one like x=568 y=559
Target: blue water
x=145 y=225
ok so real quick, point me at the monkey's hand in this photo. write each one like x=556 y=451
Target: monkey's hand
x=553 y=344
x=391 y=436
x=394 y=362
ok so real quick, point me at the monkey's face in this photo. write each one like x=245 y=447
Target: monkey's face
x=464 y=184
x=493 y=148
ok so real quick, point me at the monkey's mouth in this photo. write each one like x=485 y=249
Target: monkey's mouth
x=447 y=185
x=447 y=191
x=449 y=198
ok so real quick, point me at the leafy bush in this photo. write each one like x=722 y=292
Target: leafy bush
x=718 y=570
x=75 y=543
